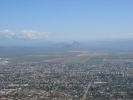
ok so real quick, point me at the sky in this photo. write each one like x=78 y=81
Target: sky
x=66 y=19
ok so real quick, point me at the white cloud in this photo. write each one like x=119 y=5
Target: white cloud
x=129 y=35
x=108 y=36
x=32 y=34
x=120 y=36
x=7 y=33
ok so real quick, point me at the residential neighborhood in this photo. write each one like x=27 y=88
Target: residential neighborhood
x=40 y=81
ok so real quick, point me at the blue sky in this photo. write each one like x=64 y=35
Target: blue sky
x=66 y=19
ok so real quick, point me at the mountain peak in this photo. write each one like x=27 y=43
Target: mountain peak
x=75 y=43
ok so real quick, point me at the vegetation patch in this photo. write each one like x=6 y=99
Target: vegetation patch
x=97 y=57
x=112 y=53
x=113 y=56
x=33 y=58
x=25 y=93
x=126 y=56
x=94 y=61
x=77 y=60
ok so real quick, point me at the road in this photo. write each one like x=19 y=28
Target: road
x=90 y=56
x=84 y=97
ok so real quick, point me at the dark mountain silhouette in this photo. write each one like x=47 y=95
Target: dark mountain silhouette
x=75 y=43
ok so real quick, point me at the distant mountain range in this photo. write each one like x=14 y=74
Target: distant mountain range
x=122 y=44
x=65 y=45
x=75 y=43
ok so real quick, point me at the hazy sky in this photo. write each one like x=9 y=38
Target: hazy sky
x=66 y=19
